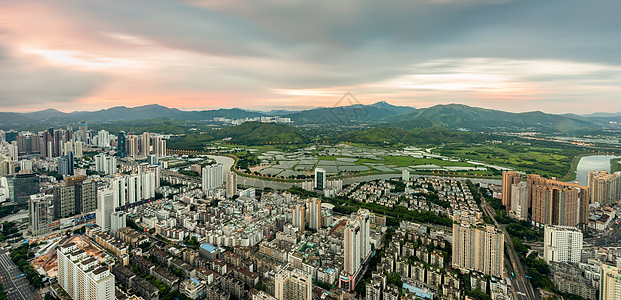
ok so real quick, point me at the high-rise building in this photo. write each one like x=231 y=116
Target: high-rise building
x=132 y=146
x=82 y=132
x=478 y=248
x=117 y=221
x=519 y=200
x=405 y=175
x=364 y=218
x=7 y=165
x=562 y=244
x=77 y=147
x=82 y=276
x=145 y=144
x=298 y=218
x=231 y=184
x=320 y=179
x=352 y=247
x=22 y=186
x=314 y=213
x=293 y=284
x=212 y=177
x=159 y=146
x=66 y=164
x=105 y=164
x=509 y=178
x=103 y=139
x=76 y=195
x=121 y=144
x=105 y=208
x=5 y=195
x=604 y=188
x=152 y=159
x=557 y=203
x=610 y=283
x=41 y=215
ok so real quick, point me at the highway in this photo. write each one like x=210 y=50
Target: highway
x=522 y=288
x=16 y=288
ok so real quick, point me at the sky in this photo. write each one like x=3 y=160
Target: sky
x=557 y=56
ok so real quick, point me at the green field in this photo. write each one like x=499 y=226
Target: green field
x=404 y=161
x=547 y=159
x=614 y=165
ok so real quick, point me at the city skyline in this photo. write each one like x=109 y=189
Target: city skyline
x=509 y=55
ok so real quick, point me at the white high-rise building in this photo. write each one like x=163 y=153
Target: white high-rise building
x=105 y=164
x=314 y=213
x=133 y=188
x=103 y=139
x=562 y=244
x=364 y=218
x=212 y=177
x=519 y=200
x=405 y=175
x=293 y=284
x=320 y=179
x=82 y=276
x=231 y=184
x=4 y=189
x=117 y=221
x=351 y=246
x=105 y=208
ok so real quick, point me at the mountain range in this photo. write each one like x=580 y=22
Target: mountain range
x=452 y=116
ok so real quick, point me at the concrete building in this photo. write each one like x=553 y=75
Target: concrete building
x=314 y=213
x=610 y=283
x=159 y=146
x=557 y=203
x=478 y=248
x=405 y=175
x=231 y=184
x=519 y=200
x=298 y=218
x=145 y=144
x=509 y=178
x=352 y=247
x=105 y=208
x=41 y=215
x=105 y=164
x=82 y=276
x=293 y=284
x=212 y=177
x=562 y=244
x=605 y=188
x=320 y=179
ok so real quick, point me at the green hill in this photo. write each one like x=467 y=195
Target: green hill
x=248 y=133
x=418 y=136
x=463 y=116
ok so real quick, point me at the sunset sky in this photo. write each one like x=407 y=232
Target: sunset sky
x=557 y=56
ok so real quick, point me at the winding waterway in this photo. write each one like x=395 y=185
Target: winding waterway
x=592 y=163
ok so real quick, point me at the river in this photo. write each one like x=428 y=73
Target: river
x=592 y=163
x=228 y=162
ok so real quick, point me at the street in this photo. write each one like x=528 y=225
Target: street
x=16 y=288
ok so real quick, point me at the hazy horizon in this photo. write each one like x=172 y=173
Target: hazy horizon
x=551 y=56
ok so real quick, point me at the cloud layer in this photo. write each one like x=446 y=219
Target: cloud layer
x=512 y=55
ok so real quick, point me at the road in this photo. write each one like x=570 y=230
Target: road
x=523 y=290
x=16 y=288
